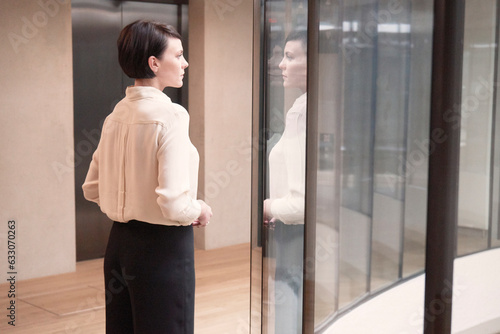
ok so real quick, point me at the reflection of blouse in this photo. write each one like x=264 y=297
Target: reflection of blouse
x=287 y=166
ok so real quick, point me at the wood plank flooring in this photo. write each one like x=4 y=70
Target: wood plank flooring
x=74 y=303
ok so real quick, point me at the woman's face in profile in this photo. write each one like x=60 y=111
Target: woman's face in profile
x=172 y=65
x=294 y=66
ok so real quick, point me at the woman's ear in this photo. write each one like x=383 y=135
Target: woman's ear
x=153 y=64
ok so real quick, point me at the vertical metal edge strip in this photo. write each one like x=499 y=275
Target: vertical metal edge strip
x=442 y=211
x=255 y=320
x=311 y=165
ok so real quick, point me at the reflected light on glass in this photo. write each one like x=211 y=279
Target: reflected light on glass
x=394 y=28
x=349 y=26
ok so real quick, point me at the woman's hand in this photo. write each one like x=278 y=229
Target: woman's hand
x=206 y=214
x=269 y=221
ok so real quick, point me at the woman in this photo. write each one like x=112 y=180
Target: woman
x=284 y=210
x=143 y=175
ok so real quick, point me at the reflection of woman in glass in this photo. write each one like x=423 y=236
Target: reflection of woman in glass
x=284 y=210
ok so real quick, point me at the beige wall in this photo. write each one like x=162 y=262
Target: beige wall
x=36 y=121
x=220 y=103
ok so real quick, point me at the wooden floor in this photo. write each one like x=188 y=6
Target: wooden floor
x=74 y=303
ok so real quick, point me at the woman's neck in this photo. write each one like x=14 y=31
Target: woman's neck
x=152 y=82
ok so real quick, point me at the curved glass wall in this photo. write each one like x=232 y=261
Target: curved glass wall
x=372 y=142
x=374 y=82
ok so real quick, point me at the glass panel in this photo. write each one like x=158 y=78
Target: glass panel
x=328 y=174
x=285 y=47
x=373 y=129
x=393 y=46
x=415 y=164
x=358 y=53
x=495 y=191
x=476 y=139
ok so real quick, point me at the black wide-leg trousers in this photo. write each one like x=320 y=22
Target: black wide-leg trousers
x=149 y=279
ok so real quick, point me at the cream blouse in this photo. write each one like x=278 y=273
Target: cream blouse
x=287 y=167
x=145 y=166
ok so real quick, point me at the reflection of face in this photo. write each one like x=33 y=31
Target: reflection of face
x=294 y=65
x=172 y=64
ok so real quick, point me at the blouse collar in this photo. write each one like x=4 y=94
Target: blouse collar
x=145 y=92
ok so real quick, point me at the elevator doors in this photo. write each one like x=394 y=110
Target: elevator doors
x=98 y=85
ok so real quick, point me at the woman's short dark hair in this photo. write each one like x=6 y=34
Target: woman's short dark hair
x=298 y=35
x=140 y=40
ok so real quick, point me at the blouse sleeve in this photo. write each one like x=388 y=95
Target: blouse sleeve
x=290 y=208
x=91 y=185
x=174 y=162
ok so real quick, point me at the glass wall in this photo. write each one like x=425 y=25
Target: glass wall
x=374 y=91
x=494 y=225
x=372 y=141
x=375 y=70
x=476 y=126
